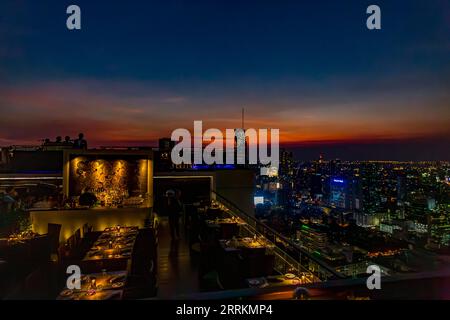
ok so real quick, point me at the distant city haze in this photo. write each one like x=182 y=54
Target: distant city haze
x=313 y=70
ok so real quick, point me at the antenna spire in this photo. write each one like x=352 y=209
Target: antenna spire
x=242 y=118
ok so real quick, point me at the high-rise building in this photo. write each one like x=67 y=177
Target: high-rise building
x=439 y=232
x=338 y=192
x=312 y=239
x=316 y=185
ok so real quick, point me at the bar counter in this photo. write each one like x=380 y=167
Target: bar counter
x=98 y=218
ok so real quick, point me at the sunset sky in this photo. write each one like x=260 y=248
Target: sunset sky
x=139 y=69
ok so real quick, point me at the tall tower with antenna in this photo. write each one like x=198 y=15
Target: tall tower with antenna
x=241 y=143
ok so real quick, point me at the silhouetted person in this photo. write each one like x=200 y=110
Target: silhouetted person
x=67 y=141
x=174 y=209
x=80 y=143
x=87 y=199
x=58 y=139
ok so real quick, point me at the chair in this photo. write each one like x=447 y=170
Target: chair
x=145 y=250
x=142 y=266
x=71 y=243
x=77 y=238
x=66 y=251
x=85 y=229
x=214 y=213
x=146 y=242
x=88 y=241
x=228 y=267
x=53 y=232
x=141 y=279
x=39 y=249
x=251 y=252
x=228 y=230
x=96 y=266
x=257 y=266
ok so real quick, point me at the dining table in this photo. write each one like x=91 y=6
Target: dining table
x=288 y=279
x=97 y=286
x=19 y=238
x=216 y=223
x=244 y=243
x=24 y=246
x=113 y=243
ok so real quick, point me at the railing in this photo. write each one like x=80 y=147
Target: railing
x=126 y=148
x=289 y=257
x=433 y=281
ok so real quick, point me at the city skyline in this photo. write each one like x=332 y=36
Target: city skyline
x=238 y=153
x=133 y=74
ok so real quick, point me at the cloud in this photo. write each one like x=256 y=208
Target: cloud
x=120 y=111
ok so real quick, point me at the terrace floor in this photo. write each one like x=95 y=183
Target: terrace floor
x=177 y=269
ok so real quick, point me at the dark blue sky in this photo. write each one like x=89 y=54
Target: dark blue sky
x=310 y=68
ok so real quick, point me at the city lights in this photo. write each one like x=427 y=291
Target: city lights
x=225 y=156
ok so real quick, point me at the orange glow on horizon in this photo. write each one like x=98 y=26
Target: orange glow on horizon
x=114 y=120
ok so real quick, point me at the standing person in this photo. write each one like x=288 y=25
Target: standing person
x=174 y=209
x=67 y=141
x=80 y=143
